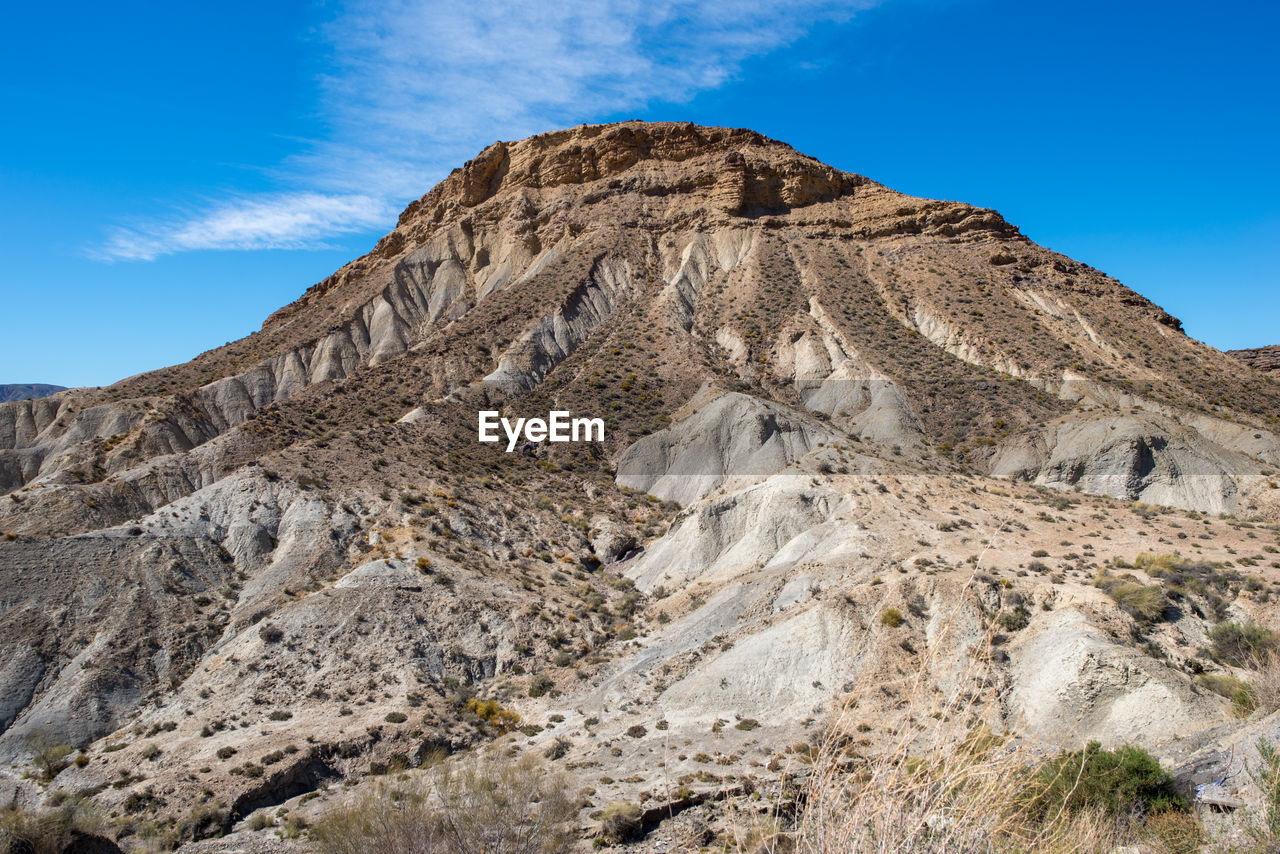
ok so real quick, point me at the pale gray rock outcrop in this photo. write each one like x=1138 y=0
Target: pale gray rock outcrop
x=1072 y=683
x=1138 y=456
x=725 y=438
x=742 y=529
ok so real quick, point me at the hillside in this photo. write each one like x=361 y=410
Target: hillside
x=289 y=563
x=1265 y=359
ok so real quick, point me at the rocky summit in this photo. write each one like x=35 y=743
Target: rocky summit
x=860 y=451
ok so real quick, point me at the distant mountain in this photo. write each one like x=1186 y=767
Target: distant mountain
x=22 y=391
x=1263 y=358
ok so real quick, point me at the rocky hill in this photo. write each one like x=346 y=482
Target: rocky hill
x=22 y=391
x=1266 y=359
x=289 y=562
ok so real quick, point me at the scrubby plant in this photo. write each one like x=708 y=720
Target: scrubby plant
x=540 y=685
x=492 y=712
x=891 y=617
x=51 y=831
x=1146 y=603
x=620 y=821
x=1014 y=619
x=1116 y=782
x=485 y=804
x=1267 y=778
x=1183 y=577
x=1238 y=692
x=1241 y=644
x=48 y=754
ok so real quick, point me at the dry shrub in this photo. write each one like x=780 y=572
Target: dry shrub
x=1241 y=694
x=1175 y=833
x=620 y=821
x=1238 y=644
x=1265 y=683
x=944 y=782
x=47 y=832
x=485 y=804
x=977 y=795
x=1146 y=603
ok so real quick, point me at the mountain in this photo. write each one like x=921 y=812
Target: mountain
x=849 y=435
x=1266 y=359
x=22 y=391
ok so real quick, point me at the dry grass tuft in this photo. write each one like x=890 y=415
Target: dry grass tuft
x=487 y=804
x=944 y=782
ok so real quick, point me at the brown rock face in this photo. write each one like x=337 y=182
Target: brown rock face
x=759 y=174
x=1266 y=359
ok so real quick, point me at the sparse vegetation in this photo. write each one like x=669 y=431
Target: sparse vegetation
x=1239 y=693
x=620 y=821
x=1124 y=781
x=50 y=831
x=1241 y=644
x=478 y=805
x=48 y=754
x=1146 y=603
x=492 y=712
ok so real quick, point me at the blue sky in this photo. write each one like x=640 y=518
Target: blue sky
x=172 y=173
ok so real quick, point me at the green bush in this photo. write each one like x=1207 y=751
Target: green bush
x=1241 y=644
x=540 y=685
x=1146 y=603
x=1015 y=619
x=891 y=617
x=396 y=717
x=1117 y=782
x=1238 y=692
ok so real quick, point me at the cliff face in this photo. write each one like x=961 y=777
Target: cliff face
x=1266 y=359
x=822 y=398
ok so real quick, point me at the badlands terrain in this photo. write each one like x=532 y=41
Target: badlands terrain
x=872 y=464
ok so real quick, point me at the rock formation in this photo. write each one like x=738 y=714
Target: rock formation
x=1266 y=359
x=289 y=562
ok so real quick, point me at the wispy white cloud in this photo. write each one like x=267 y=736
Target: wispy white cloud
x=275 y=221
x=418 y=86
